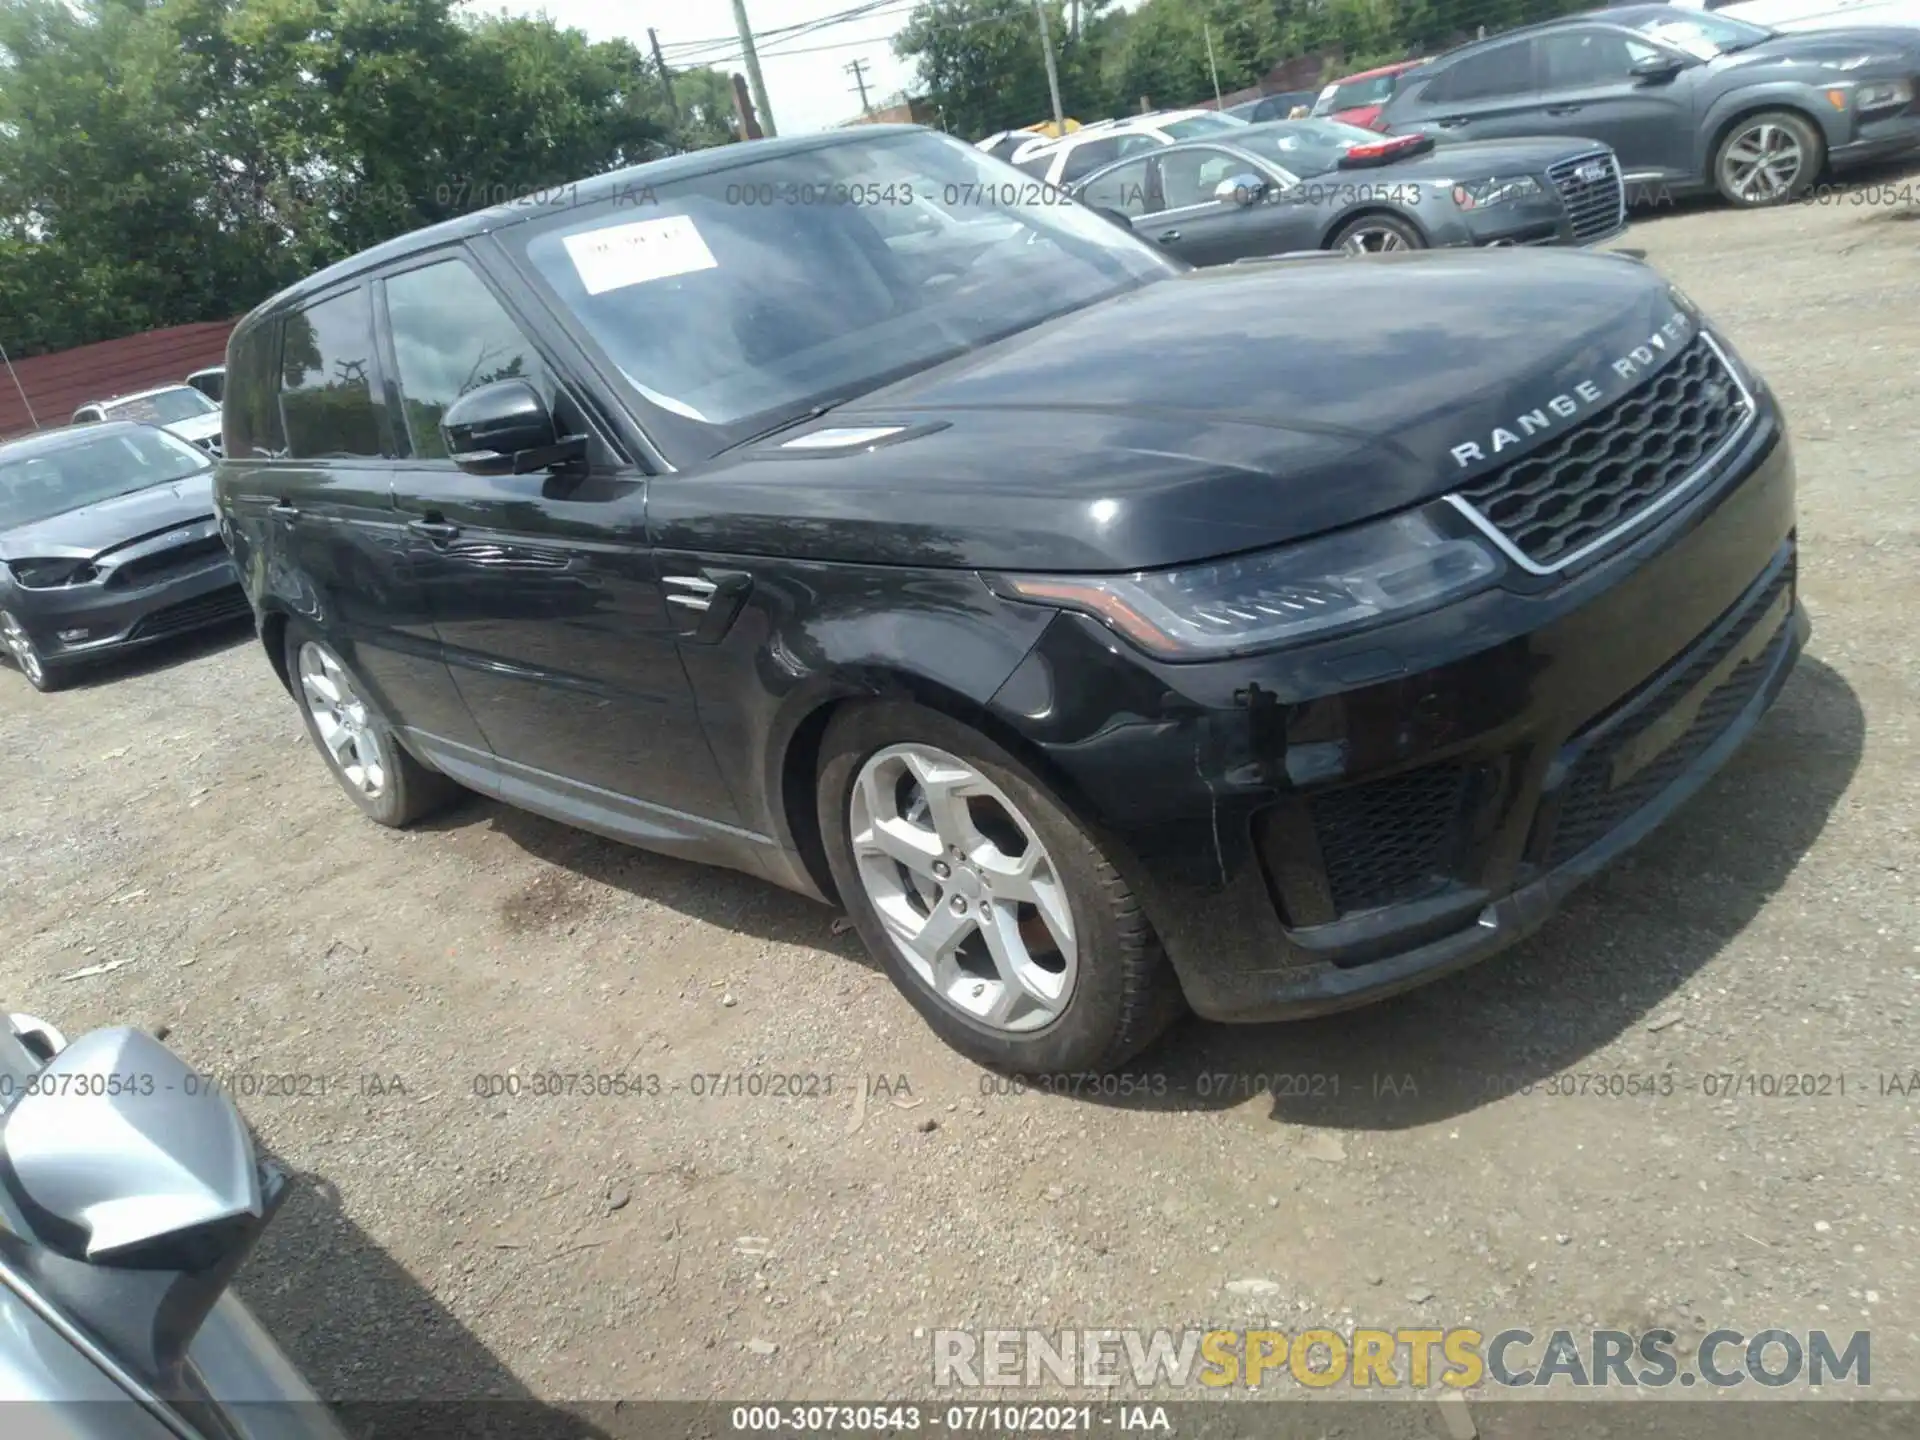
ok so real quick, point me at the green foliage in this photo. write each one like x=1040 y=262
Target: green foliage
x=164 y=163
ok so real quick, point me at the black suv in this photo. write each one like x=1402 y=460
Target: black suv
x=1689 y=101
x=1101 y=633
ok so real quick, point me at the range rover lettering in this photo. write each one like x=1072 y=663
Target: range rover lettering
x=1109 y=637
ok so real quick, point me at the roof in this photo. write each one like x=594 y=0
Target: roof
x=60 y=383
x=67 y=437
x=1379 y=70
x=589 y=191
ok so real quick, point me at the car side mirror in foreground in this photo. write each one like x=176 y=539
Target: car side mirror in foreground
x=140 y=1193
x=1240 y=189
x=506 y=429
x=1653 y=68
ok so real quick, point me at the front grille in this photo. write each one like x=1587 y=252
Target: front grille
x=179 y=558
x=1389 y=840
x=1594 y=207
x=1574 y=493
x=228 y=603
x=1590 y=808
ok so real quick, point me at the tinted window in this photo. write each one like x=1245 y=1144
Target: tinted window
x=326 y=379
x=250 y=413
x=1503 y=70
x=450 y=336
x=1084 y=159
x=1123 y=188
x=1569 y=59
x=1189 y=177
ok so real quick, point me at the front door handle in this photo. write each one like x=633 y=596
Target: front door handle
x=1563 y=109
x=1167 y=237
x=1451 y=122
x=281 y=510
x=438 y=531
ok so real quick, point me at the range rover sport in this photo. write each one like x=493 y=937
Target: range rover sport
x=1106 y=636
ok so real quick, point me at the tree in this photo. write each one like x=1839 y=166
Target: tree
x=981 y=63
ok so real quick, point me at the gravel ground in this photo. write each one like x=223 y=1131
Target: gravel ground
x=170 y=820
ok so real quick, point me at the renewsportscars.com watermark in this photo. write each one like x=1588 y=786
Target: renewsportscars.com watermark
x=1379 y=1359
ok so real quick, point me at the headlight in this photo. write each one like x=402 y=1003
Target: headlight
x=1881 y=93
x=1482 y=194
x=52 y=574
x=1366 y=575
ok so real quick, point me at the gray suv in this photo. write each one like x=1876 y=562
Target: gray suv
x=1689 y=101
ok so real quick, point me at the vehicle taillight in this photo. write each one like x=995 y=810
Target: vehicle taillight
x=1381 y=150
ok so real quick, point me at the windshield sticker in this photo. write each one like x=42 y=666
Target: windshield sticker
x=617 y=256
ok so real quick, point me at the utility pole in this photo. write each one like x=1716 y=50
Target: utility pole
x=1053 y=73
x=1073 y=21
x=1207 y=32
x=753 y=67
x=858 y=68
x=666 y=80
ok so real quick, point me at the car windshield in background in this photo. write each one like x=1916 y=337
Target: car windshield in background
x=1356 y=94
x=1305 y=147
x=1195 y=126
x=163 y=407
x=52 y=480
x=1703 y=35
x=736 y=300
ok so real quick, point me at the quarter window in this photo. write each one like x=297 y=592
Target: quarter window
x=249 y=415
x=451 y=336
x=326 y=380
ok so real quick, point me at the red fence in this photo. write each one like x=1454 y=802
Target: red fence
x=58 y=384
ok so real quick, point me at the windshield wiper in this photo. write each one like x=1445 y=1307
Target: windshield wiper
x=812 y=412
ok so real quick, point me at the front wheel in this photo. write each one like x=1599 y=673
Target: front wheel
x=26 y=655
x=366 y=758
x=1372 y=234
x=988 y=905
x=1768 y=159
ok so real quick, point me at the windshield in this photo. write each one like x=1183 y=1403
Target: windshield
x=1703 y=35
x=51 y=481
x=1305 y=147
x=737 y=299
x=1196 y=125
x=163 y=407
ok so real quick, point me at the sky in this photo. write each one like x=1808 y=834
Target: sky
x=804 y=62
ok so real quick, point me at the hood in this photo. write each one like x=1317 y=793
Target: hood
x=1824 y=44
x=1479 y=159
x=98 y=529
x=1218 y=411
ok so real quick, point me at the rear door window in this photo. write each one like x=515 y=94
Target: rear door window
x=1489 y=74
x=326 y=380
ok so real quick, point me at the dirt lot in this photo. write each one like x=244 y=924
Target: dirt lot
x=170 y=819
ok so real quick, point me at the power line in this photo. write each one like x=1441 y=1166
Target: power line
x=800 y=27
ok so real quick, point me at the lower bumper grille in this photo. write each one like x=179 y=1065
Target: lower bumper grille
x=180 y=558
x=229 y=603
x=1590 y=187
x=1392 y=840
x=1592 y=806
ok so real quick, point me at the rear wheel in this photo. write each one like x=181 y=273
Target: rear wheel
x=361 y=750
x=26 y=655
x=1768 y=159
x=1371 y=234
x=989 y=906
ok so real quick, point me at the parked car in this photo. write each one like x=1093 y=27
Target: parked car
x=1791 y=15
x=1358 y=99
x=210 y=382
x=184 y=409
x=1294 y=185
x=1690 y=101
x=1101 y=633
x=130 y=1194
x=1274 y=107
x=107 y=540
x=1074 y=157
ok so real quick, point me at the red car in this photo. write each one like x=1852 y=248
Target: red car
x=1358 y=99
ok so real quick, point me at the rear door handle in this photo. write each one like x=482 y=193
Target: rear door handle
x=281 y=510
x=1167 y=237
x=1564 y=109
x=439 y=531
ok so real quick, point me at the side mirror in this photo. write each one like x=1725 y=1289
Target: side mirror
x=1241 y=189
x=506 y=429
x=1654 y=68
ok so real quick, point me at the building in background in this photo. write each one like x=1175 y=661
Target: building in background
x=58 y=384
x=899 y=110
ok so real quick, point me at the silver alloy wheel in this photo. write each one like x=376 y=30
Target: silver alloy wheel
x=340 y=717
x=1763 y=162
x=967 y=893
x=1372 y=239
x=20 y=646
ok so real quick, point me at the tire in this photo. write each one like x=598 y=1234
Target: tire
x=1741 y=177
x=25 y=655
x=1117 y=992
x=404 y=790
x=1389 y=231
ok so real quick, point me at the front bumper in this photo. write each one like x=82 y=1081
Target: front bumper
x=1317 y=828
x=117 y=617
x=1880 y=139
